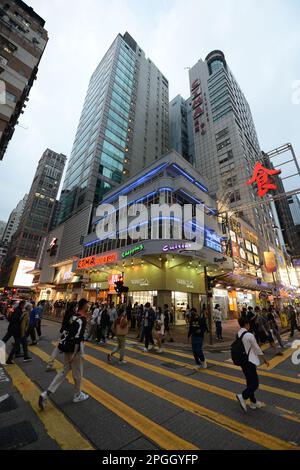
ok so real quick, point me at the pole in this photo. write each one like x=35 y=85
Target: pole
x=276 y=304
x=209 y=306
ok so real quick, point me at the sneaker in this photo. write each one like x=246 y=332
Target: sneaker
x=204 y=365
x=145 y=350
x=9 y=363
x=80 y=397
x=256 y=406
x=122 y=362
x=42 y=400
x=27 y=359
x=242 y=402
x=159 y=351
x=108 y=357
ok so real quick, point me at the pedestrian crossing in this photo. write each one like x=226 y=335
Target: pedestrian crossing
x=206 y=398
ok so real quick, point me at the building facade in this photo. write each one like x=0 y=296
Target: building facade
x=38 y=212
x=123 y=125
x=23 y=39
x=180 y=128
x=14 y=221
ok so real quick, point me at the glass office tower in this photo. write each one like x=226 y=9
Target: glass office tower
x=122 y=128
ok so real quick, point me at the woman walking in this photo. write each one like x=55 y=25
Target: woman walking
x=120 y=329
x=159 y=327
x=197 y=330
x=69 y=314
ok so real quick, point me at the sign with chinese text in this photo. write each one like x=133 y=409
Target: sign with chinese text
x=93 y=261
x=263 y=178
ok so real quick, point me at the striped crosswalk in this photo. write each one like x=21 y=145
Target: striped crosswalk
x=170 y=379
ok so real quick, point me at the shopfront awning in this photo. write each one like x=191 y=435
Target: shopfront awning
x=245 y=282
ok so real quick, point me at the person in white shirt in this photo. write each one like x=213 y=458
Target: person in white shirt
x=94 y=321
x=255 y=355
x=113 y=315
x=217 y=317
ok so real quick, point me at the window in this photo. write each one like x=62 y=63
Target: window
x=11 y=97
x=223 y=144
x=222 y=133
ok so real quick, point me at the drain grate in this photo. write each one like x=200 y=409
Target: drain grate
x=8 y=405
x=17 y=436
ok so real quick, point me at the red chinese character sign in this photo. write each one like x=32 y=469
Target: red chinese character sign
x=263 y=177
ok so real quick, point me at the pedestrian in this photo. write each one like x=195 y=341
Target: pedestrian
x=31 y=327
x=120 y=328
x=271 y=315
x=198 y=328
x=69 y=315
x=293 y=320
x=129 y=314
x=113 y=315
x=103 y=325
x=19 y=324
x=95 y=311
x=39 y=310
x=250 y=356
x=71 y=344
x=159 y=328
x=149 y=319
x=217 y=317
x=188 y=315
x=134 y=316
x=140 y=320
x=167 y=320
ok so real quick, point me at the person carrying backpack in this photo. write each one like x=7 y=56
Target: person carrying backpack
x=120 y=329
x=197 y=330
x=71 y=344
x=246 y=353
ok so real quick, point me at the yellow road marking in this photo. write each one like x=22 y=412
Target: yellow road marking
x=57 y=426
x=278 y=360
x=262 y=373
x=247 y=432
x=162 y=437
x=220 y=375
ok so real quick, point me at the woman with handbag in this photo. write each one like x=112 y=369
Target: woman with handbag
x=120 y=329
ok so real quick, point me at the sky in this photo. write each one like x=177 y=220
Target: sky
x=260 y=38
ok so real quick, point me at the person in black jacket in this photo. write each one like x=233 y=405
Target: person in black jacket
x=103 y=325
x=197 y=330
x=15 y=330
x=69 y=313
x=71 y=344
x=149 y=320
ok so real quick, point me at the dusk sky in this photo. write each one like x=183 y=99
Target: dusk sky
x=260 y=38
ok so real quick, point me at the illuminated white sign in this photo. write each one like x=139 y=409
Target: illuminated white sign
x=23 y=279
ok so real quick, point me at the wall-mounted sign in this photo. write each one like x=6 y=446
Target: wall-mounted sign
x=178 y=247
x=270 y=262
x=140 y=282
x=133 y=251
x=185 y=283
x=263 y=178
x=213 y=241
x=22 y=278
x=93 y=261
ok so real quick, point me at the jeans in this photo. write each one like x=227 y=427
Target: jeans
x=219 y=329
x=38 y=327
x=101 y=333
x=197 y=344
x=77 y=371
x=16 y=347
x=294 y=326
x=31 y=333
x=250 y=373
x=148 y=336
x=120 y=348
x=110 y=330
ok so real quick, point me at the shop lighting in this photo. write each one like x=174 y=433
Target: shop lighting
x=218 y=285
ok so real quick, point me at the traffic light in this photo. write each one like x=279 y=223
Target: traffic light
x=211 y=282
x=119 y=286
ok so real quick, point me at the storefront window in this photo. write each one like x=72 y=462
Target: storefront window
x=144 y=297
x=180 y=301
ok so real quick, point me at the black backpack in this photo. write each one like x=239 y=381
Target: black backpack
x=238 y=353
x=67 y=339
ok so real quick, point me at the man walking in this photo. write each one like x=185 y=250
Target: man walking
x=149 y=319
x=249 y=361
x=293 y=320
x=71 y=344
x=113 y=315
x=217 y=316
x=18 y=326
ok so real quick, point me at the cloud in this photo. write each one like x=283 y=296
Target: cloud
x=260 y=39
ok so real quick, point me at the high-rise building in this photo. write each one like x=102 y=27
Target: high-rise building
x=14 y=220
x=294 y=204
x=123 y=127
x=226 y=143
x=22 y=43
x=38 y=212
x=181 y=130
x=2 y=228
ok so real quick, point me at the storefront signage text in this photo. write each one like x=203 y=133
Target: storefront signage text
x=93 y=261
x=263 y=178
x=182 y=246
x=133 y=251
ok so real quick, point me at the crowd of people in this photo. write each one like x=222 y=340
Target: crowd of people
x=102 y=322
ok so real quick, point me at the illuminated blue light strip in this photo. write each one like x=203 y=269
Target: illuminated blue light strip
x=190 y=178
x=136 y=183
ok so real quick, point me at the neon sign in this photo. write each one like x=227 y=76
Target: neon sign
x=93 y=261
x=263 y=177
x=133 y=251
